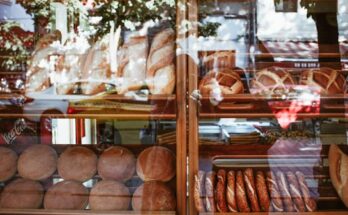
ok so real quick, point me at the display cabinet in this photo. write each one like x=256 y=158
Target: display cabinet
x=267 y=107
x=93 y=107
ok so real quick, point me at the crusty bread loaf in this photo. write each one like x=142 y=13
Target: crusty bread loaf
x=67 y=195
x=77 y=163
x=209 y=191
x=156 y=164
x=227 y=80
x=37 y=162
x=241 y=195
x=309 y=201
x=274 y=192
x=327 y=81
x=249 y=181
x=231 y=191
x=295 y=192
x=338 y=165
x=109 y=195
x=160 y=73
x=22 y=194
x=153 y=196
x=199 y=191
x=8 y=163
x=221 y=204
x=272 y=81
x=38 y=75
x=132 y=64
x=96 y=70
x=116 y=163
x=262 y=193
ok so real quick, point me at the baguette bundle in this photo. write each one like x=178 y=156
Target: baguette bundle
x=244 y=191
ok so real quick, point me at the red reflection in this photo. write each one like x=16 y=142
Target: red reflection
x=286 y=112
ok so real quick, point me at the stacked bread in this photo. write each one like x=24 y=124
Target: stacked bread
x=78 y=69
x=155 y=166
x=244 y=191
x=279 y=81
x=77 y=164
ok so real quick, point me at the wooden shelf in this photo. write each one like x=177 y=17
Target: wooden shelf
x=253 y=106
x=100 y=107
x=77 y=212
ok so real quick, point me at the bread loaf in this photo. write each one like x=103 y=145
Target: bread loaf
x=310 y=203
x=327 y=81
x=338 y=165
x=37 y=162
x=226 y=80
x=160 y=73
x=262 y=192
x=241 y=195
x=77 y=163
x=156 y=164
x=295 y=192
x=153 y=196
x=116 y=163
x=285 y=193
x=231 y=192
x=272 y=81
x=221 y=205
x=67 y=74
x=8 y=163
x=272 y=185
x=199 y=191
x=109 y=195
x=251 y=190
x=96 y=71
x=132 y=64
x=66 y=195
x=38 y=75
x=210 y=180
x=22 y=194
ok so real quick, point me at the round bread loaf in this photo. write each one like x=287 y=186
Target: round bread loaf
x=156 y=164
x=22 y=194
x=8 y=163
x=38 y=162
x=338 y=165
x=227 y=80
x=326 y=80
x=116 y=163
x=66 y=195
x=153 y=196
x=273 y=80
x=109 y=195
x=77 y=163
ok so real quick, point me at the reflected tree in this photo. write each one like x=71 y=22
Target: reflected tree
x=324 y=13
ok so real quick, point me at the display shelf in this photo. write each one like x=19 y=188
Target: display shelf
x=311 y=159
x=254 y=106
x=98 y=107
x=132 y=184
x=77 y=212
